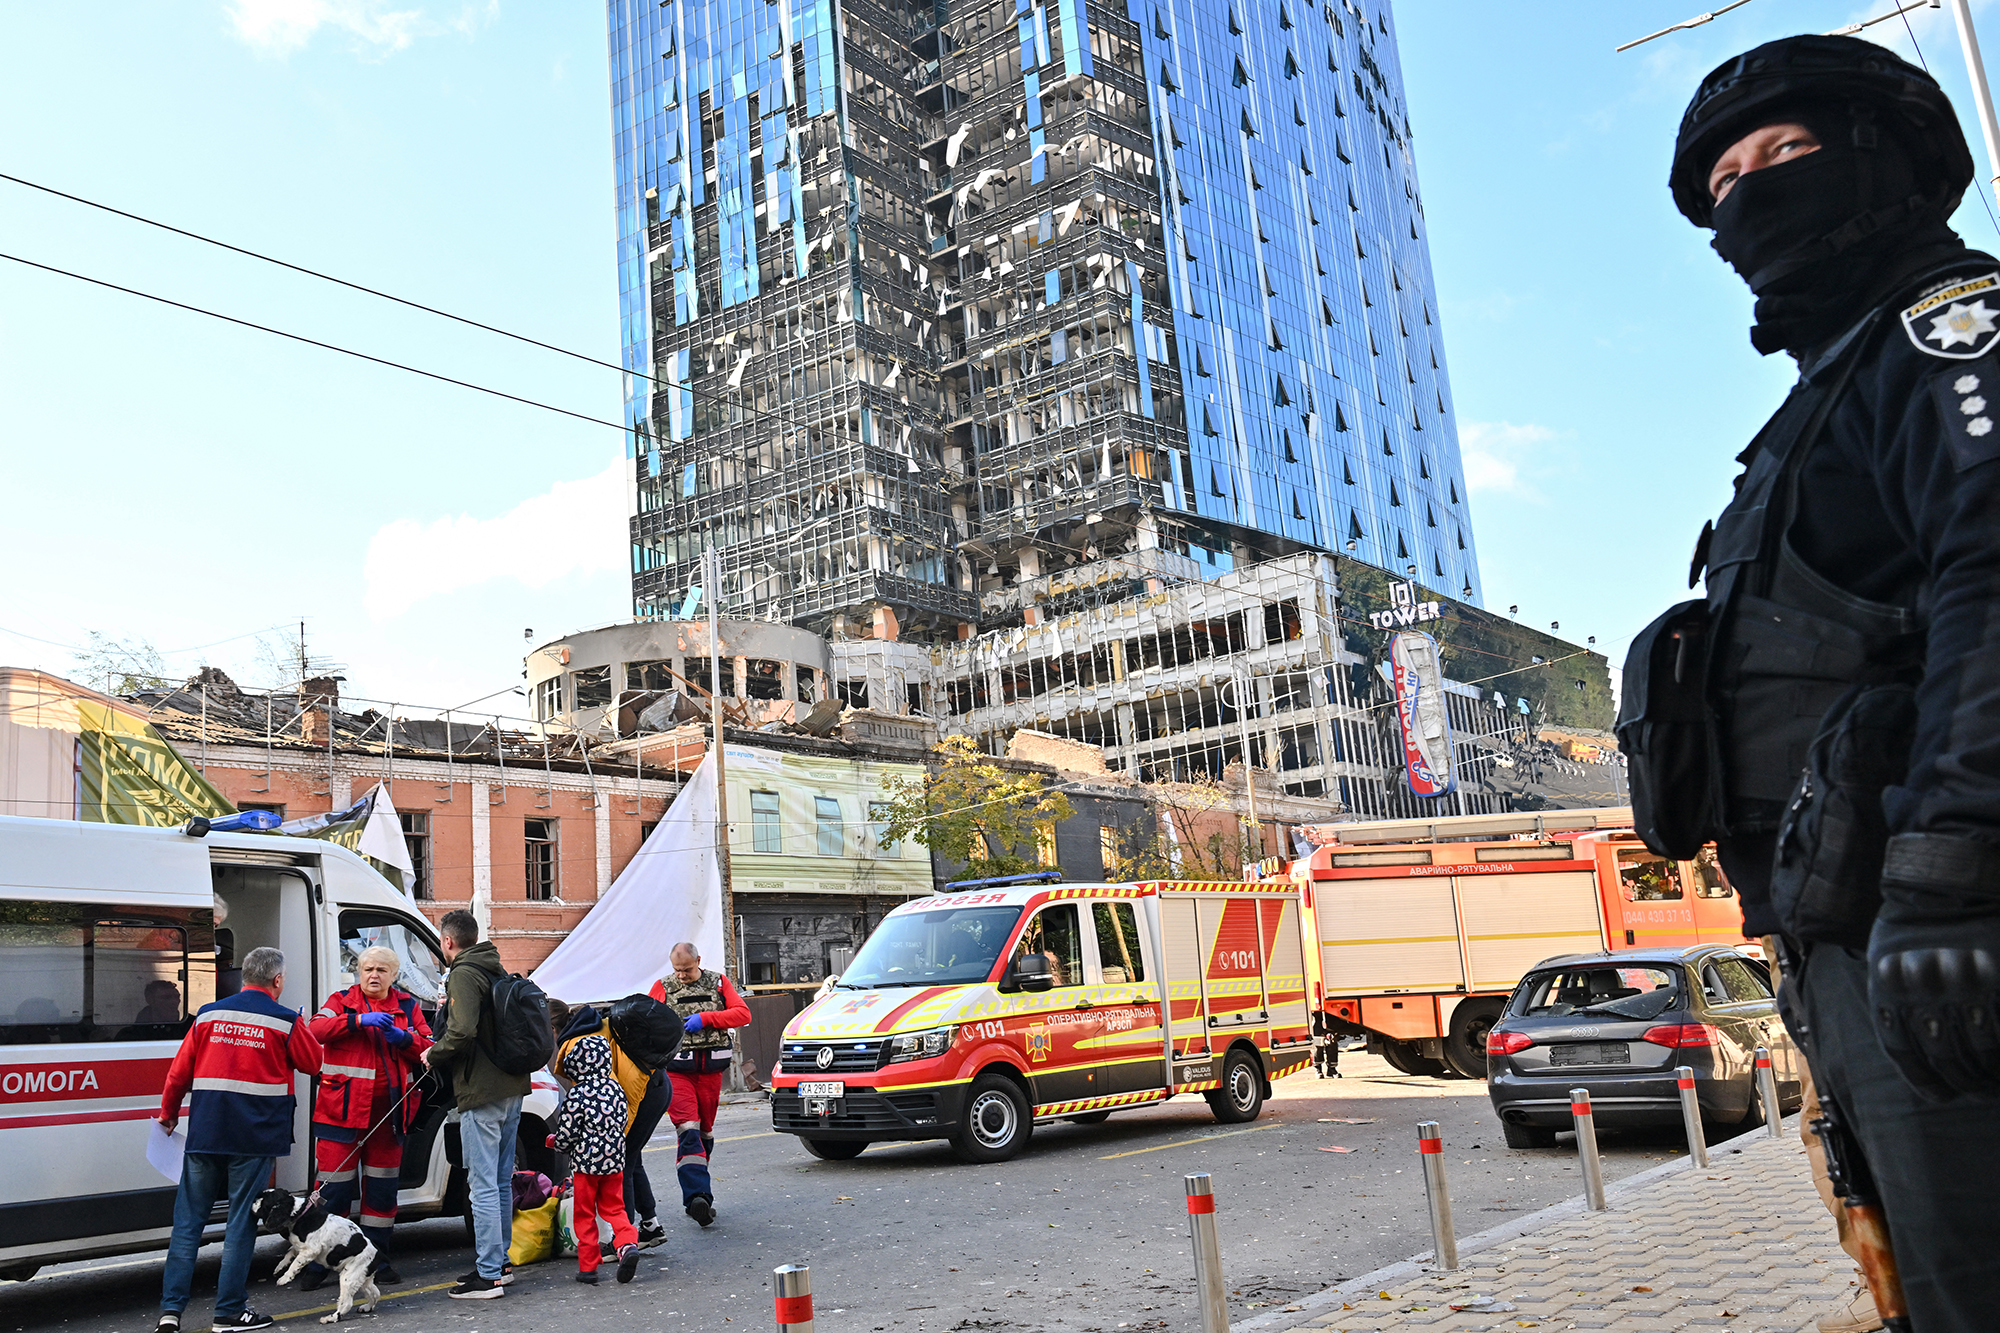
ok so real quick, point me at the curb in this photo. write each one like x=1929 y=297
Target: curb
x=1416 y=1266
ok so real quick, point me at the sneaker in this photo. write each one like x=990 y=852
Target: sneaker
x=587 y=1276
x=248 y=1319
x=170 y=1322
x=313 y=1278
x=385 y=1276
x=506 y=1278
x=651 y=1232
x=628 y=1262
x=475 y=1288
x=702 y=1209
x=507 y=1273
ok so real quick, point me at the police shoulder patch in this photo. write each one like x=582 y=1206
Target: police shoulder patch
x=1960 y=321
x=1967 y=399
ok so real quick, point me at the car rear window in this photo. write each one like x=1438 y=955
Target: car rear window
x=1604 y=987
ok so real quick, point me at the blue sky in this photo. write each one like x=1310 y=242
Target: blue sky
x=181 y=481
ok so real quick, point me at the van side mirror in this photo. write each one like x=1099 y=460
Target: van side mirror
x=1031 y=972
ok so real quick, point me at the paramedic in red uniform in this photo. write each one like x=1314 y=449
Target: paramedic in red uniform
x=709 y=1006
x=374 y=1035
x=239 y=1060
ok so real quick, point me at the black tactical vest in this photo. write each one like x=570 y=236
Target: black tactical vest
x=1786 y=643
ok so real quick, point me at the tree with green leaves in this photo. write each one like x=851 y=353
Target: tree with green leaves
x=972 y=812
x=114 y=666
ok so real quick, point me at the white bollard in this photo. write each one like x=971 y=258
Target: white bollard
x=1586 y=1149
x=1430 y=1147
x=1207 y=1254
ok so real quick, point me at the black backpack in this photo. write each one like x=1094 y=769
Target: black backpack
x=523 y=1041
x=647 y=1030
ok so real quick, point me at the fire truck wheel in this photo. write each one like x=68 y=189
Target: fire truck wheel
x=996 y=1123
x=1465 y=1044
x=1089 y=1118
x=1404 y=1057
x=835 y=1150
x=1241 y=1097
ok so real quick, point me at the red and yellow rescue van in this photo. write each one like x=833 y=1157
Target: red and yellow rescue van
x=972 y=1016
x=1423 y=927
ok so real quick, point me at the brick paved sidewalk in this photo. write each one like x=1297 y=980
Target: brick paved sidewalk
x=1745 y=1245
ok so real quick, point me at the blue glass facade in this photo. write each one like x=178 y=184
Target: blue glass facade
x=1309 y=349
x=922 y=304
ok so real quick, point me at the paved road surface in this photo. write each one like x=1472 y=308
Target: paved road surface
x=1085 y=1233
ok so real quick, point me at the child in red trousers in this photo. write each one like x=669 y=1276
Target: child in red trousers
x=591 y=1129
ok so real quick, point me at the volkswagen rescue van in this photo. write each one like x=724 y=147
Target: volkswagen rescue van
x=972 y=1016
x=110 y=938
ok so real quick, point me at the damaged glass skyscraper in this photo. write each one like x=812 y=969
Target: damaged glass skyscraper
x=924 y=305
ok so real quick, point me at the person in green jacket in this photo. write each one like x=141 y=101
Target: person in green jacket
x=489 y=1100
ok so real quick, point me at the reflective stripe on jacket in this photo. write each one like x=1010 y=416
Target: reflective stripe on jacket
x=235 y=1068
x=362 y=1071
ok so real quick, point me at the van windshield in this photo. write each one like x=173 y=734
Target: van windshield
x=932 y=948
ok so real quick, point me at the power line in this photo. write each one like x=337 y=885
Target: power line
x=399 y=300
x=314 y=342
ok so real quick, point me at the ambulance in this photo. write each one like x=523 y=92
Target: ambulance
x=975 y=1015
x=1422 y=927
x=111 y=937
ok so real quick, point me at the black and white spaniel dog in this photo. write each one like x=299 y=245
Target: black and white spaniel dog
x=318 y=1237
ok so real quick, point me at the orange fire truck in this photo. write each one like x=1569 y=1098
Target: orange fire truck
x=1423 y=926
x=972 y=1016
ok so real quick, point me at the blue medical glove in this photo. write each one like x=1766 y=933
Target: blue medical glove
x=373 y=1020
x=396 y=1036
x=693 y=1024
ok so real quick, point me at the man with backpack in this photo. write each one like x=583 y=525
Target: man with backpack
x=489 y=1096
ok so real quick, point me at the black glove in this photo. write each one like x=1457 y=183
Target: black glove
x=1934 y=963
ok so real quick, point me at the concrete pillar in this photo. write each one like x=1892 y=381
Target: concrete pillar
x=482 y=857
x=603 y=833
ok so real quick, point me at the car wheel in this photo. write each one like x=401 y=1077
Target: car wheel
x=1527 y=1136
x=835 y=1150
x=996 y=1124
x=1404 y=1057
x=1089 y=1118
x=1465 y=1044
x=19 y=1273
x=1240 y=1099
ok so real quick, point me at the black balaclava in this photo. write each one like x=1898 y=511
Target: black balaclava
x=1799 y=234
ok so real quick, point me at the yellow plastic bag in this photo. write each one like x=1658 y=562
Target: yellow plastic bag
x=534 y=1234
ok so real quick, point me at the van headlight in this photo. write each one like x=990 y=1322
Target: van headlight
x=921 y=1045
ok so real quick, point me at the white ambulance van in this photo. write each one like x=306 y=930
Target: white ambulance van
x=111 y=937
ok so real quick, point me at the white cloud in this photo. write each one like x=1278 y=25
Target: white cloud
x=574 y=528
x=280 y=27
x=1493 y=452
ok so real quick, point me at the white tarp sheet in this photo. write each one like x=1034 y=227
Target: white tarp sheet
x=670 y=892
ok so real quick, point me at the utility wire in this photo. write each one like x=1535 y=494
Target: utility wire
x=399 y=300
x=314 y=342
x=1904 y=14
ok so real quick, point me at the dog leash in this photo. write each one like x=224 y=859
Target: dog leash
x=415 y=1083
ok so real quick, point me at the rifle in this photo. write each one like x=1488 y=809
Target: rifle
x=1848 y=1172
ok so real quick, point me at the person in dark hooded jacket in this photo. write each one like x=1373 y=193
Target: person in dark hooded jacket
x=591 y=1130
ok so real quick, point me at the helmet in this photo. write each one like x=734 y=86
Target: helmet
x=1767 y=83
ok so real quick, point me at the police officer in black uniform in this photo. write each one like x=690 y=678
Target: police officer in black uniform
x=1829 y=713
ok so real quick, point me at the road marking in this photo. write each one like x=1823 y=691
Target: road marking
x=328 y=1309
x=737 y=1138
x=1182 y=1143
